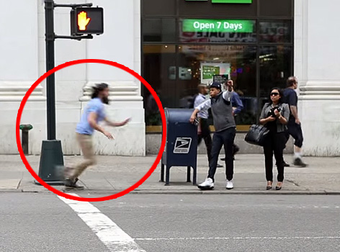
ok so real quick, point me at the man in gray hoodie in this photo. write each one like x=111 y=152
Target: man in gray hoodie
x=225 y=131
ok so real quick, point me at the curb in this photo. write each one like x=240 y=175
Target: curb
x=10 y=190
x=181 y=192
x=240 y=192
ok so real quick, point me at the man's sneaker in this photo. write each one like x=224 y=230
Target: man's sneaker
x=72 y=184
x=298 y=162
x=219 y=166
x=67 y=171
x=230 y=184
x=208 y=184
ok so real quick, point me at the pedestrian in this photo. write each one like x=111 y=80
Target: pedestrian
x=225 y=130
x=93 y=114
x=274 y=117
x=237 y=108
x=294 y=124
x=203 y=126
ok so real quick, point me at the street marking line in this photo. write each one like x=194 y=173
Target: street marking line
x=239 y=238
x=114 y=238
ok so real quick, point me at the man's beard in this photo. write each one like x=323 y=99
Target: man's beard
x=105 y=100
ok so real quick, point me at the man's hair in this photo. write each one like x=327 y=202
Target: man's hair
x=291 y=81
x=234 y=85
x=200 y=86
x=98 y=88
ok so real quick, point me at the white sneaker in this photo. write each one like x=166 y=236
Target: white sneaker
x=230 y=184
x=207 y=184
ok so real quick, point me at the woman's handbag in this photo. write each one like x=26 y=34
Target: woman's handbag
x=256 y=135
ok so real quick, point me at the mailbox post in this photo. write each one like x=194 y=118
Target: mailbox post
x=181 y=144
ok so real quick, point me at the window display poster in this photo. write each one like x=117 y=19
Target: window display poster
x=184 y=73
x=220 y=78
x=172 y=73
x=209 y=69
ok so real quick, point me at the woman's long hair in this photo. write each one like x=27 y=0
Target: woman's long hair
x=98 y=88
x=280 y=93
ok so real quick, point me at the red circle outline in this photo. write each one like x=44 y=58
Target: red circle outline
x=98 y=61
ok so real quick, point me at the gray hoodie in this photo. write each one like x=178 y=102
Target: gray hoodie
x=221 y=109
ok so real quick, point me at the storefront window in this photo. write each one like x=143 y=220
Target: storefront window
x=159 y=30
x=188 y=42
x=275 y=68
x=159 y=69
x=275 y=31
x=201 y=63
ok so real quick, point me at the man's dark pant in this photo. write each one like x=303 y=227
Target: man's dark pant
x=206 y=135
x=295 y=131
x=226 y=138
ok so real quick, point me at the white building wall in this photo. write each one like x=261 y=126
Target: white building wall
x=22 y=61
x=317 y=55
x=18 y=71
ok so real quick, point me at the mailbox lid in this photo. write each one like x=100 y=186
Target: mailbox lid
x=178 y=115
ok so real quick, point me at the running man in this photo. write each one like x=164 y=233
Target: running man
x=93 y=114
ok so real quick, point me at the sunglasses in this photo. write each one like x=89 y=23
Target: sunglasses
x=274 y=94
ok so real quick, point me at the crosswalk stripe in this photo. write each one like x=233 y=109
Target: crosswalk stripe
x=114 y=238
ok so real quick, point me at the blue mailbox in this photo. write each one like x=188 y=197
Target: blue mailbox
x=181 y=143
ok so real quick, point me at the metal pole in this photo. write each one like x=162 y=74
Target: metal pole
x=50 y=81
x=24 y=137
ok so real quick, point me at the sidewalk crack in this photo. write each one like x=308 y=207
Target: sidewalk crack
x=110 y=184
x=293 y=182
x=20 y=181
x=18 y=186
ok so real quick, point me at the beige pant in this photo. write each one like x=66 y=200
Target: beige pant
x=85 y=143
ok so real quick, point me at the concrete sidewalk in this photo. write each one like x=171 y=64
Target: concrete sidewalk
x=114 y=174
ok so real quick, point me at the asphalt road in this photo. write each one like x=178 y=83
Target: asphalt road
x=43 y=222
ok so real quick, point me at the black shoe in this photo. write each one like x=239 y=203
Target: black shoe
x=72 y=184
x=235 y=150
x=219 y=166
x=269 y=187
x=285 y=164
x=222 y=159
x=278 y=186
x=298 y=162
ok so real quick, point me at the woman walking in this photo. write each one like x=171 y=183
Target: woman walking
x=274 y=117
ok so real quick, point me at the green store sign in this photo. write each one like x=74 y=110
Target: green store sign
x=224 y=1
x=213 y=25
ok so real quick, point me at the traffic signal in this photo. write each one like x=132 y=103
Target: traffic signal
x=87 y=20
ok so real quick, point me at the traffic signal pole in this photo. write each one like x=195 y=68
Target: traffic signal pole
x=50 y=81
x=51 y=157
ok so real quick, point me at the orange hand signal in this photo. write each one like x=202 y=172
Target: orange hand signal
x=83 y=20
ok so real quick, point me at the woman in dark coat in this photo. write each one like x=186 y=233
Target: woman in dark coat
x=274 y=117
